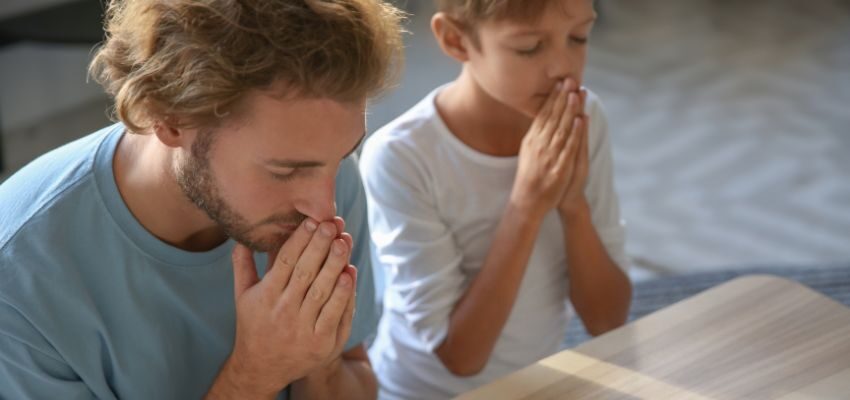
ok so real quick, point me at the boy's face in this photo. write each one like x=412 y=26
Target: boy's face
x=260 y=176
x=519 y=63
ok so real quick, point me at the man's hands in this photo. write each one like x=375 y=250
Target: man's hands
x=553 y=158
x=297 y=319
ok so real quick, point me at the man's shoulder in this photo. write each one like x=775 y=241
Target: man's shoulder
x=47 y=185
x=47 y=207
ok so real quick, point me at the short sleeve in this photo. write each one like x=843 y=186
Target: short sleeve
x=599 y=190
x=29 y=369
x=413 y=246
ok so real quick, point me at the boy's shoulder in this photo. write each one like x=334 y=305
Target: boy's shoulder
x=593 y=106
x=419 y=123
x=417 y=131
x=598 y=134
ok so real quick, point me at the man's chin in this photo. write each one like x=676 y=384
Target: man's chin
x=271 y=243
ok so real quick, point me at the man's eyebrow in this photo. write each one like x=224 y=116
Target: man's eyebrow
x=287 y=163
x=534 y=31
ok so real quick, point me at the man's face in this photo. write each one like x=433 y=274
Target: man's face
x=519 y=63
x=259 y=176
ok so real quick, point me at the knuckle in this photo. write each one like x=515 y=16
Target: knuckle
x=286 y=260
x=285 y=310
x=303 y=275
x=316 y=293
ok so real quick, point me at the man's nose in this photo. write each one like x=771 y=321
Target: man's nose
x=318 y=201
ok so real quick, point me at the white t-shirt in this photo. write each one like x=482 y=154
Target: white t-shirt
x=434 y=205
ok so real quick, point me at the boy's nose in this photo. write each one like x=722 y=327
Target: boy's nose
x=560 y=67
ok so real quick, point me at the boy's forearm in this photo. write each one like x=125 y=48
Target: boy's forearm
x=480 y=315
x=599 y=289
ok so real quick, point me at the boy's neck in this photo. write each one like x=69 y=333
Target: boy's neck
x=479 y=120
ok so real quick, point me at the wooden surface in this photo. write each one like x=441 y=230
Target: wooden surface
x=756 y=337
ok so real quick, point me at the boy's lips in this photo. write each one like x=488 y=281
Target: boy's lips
x=544 y=94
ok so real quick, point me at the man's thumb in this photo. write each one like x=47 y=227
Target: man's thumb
x=244 y=270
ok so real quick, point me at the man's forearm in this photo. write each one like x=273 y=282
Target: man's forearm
x=233 y=382
x=343 y=379
x=599 y=290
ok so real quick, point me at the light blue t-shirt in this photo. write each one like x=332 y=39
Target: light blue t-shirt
x=94 y=306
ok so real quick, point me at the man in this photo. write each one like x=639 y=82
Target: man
x=127 y=265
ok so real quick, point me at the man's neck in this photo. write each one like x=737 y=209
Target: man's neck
x=144 y=173
x=480 y=121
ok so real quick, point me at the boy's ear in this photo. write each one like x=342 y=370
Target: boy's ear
x=450 y=37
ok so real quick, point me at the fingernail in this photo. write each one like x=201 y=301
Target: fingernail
x=338 y=247
x=327 y=230
x=310 y=225
x=559 y=86
x=344 y=280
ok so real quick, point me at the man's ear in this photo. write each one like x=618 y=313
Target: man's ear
x=450 y=36
x=170 y=135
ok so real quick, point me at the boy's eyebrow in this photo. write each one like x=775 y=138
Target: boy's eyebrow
x=533 y=31
x=288 y=163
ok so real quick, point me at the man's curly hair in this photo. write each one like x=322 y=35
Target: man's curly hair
x=191 y=62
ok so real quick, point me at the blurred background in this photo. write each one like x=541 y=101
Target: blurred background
x=730 y=120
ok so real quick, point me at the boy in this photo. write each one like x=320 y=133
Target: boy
x=492 y=203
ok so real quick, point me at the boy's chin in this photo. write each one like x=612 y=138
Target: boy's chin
x=533 y=107
x=527 y=109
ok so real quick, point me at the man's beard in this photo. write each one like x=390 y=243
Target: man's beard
x=196 y=180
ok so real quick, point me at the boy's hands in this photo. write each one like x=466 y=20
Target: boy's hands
x=573 y=200
x=297 y=319
x=550 y=173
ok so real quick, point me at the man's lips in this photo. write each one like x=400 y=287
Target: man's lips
x=288 y=228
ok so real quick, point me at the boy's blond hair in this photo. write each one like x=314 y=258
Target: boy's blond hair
x=470 y=12
x=191 y=62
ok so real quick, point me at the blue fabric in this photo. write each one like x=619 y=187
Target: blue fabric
x=94 y=306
